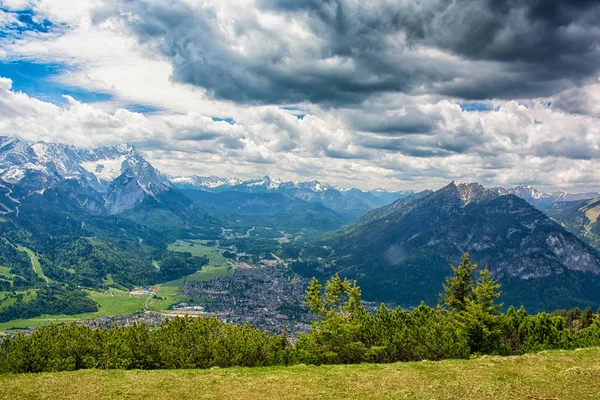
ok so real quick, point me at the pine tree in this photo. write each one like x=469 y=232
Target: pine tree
x=480 y=320
x=486 y=291
x=458 y=289
x=313 y=299
x=335 y=290
x=354 y=303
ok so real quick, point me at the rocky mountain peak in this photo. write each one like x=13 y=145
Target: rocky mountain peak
x=38 y=166
x=464 y=193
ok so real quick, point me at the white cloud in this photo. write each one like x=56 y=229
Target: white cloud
x=278 y=143
x=398 y=140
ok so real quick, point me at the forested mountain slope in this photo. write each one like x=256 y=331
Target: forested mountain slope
x=404 y=255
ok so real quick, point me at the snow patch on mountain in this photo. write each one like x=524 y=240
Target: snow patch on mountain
x=13 y=175
x=105 y=169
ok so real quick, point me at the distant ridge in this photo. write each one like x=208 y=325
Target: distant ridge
x=349 y=203
x=545 y=201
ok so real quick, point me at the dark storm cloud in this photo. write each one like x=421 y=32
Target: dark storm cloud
x=348 y=155
x=409 y=120
x=439 y=145
x=405 y=147
x=573 y=147
x=493 y=48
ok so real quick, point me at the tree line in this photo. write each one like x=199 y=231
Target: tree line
x=467 y=321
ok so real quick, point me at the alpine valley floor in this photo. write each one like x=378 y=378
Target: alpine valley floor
x=545 y=375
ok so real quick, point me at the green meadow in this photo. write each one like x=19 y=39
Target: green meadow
x=547 y=375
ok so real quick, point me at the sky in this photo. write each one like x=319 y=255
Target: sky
x=399 y=94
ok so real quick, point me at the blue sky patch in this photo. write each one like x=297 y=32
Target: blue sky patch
x=27 y=22
x=299 y=112
x=39 y=80
x=476 y=106
x=229 y=120
x=142 y=108
x=30 y=23
x=293 y=108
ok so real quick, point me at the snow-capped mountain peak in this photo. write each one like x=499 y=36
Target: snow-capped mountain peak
x=350 y=203
x=211 y=182
x=544 y=201
x=41 y=165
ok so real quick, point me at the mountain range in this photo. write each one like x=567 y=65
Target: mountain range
x=105 y=216
x=580 y=217
x=102 y=216
x=400 y=253
x=91 y=217
x=350 y=204
x=544 y=201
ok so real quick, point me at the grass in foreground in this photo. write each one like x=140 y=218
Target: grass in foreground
x=555 y=374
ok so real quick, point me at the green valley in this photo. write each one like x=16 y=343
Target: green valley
x=168 y=293
x=300 y=199
x=115 y=302
x=112 y=302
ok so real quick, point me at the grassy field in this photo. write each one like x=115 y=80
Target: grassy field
x=218 y=266
x=111 y=303
x=210 y=272
x=168 y=294
x=115 y=302
x=548 y=375
x=35 y=262
x=5 y=273
x=7 y=300
x=118 y=302
x=198 y=249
